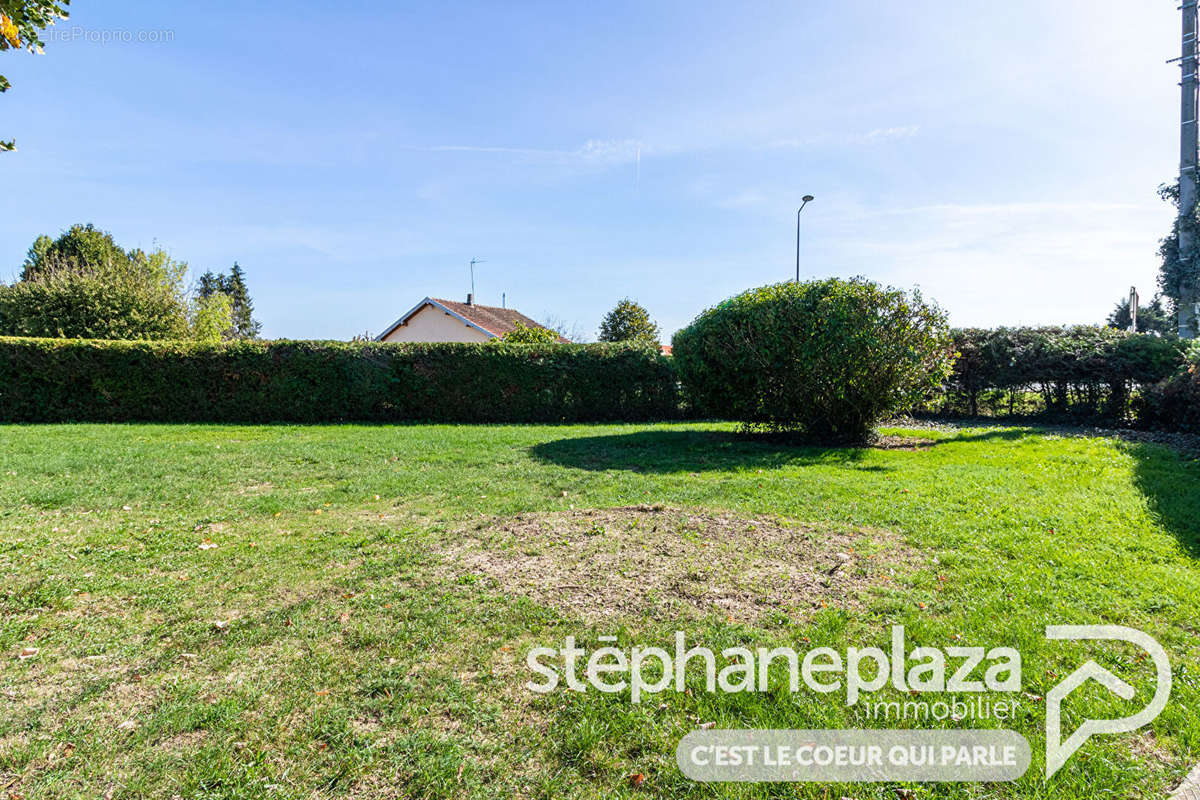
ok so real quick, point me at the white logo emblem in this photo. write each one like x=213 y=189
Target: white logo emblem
x=1058 y=751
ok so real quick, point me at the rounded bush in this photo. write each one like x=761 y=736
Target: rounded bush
x=1174 y=403
x=828 y=359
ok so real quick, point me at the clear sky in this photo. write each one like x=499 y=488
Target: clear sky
x=353 y=157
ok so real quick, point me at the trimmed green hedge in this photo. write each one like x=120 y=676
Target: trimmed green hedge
x=1175 y=403
x=1082 y=371
x=67 y=380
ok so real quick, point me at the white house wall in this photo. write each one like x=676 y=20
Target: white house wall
x=431 y=324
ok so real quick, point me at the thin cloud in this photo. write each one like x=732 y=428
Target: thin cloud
x=887 y=134
x=593 y=151
x=875 y=136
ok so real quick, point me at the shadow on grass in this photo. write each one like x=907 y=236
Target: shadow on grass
x=1170 y=481
x=693 y=451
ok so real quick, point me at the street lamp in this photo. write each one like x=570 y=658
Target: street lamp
x=808 y=198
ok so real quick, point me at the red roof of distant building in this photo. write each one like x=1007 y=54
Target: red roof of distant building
x=489 y=319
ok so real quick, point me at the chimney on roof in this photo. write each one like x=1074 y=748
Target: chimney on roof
x=470 y=297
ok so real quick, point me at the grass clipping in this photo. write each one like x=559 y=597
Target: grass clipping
x=661 y=563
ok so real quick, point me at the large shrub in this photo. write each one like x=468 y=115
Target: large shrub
x=528 y=334
x=84 y=285
x=56 y=380
x=1081 y=371
x=826 y=358
x=1175 y=402
x=94 y=304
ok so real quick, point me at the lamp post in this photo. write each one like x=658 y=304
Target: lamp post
x=808 y=198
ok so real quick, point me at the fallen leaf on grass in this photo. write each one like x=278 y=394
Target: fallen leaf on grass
x=207 y=545
x=128 y=725
x=27 y=652
x=637 y=779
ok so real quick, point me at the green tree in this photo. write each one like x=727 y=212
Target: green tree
x=628 y=322
x=84 y=285
x=143 y=302
x=211 y=317
x=244 y=325
x=80 y=247
x=526 y=334
x=207 y=285
x=1152 y=318
x=1174 y=276
x=21 y=24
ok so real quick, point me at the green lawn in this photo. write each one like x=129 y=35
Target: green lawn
x=222 y=611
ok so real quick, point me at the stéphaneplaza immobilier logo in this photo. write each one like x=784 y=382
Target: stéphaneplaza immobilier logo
x=964 y=677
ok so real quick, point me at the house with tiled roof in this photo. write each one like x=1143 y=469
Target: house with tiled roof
x=437 y=320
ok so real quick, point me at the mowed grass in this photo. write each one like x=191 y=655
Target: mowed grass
x=248 y=612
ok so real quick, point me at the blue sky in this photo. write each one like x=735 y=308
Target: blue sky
x=354 y=157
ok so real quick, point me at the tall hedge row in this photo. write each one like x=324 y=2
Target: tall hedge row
x=58 y=380
x=1082 y=371
x=1175 y=403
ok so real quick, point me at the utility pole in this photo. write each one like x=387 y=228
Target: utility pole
x=1189 y=159
x=1134 y=302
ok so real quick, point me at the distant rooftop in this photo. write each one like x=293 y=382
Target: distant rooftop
x=493 y=320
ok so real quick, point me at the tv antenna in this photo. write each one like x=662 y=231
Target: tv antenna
x=474 y=261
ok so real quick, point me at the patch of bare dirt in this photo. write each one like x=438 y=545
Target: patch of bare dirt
x=910 y=443
x=665 y=563
x=184 y=742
